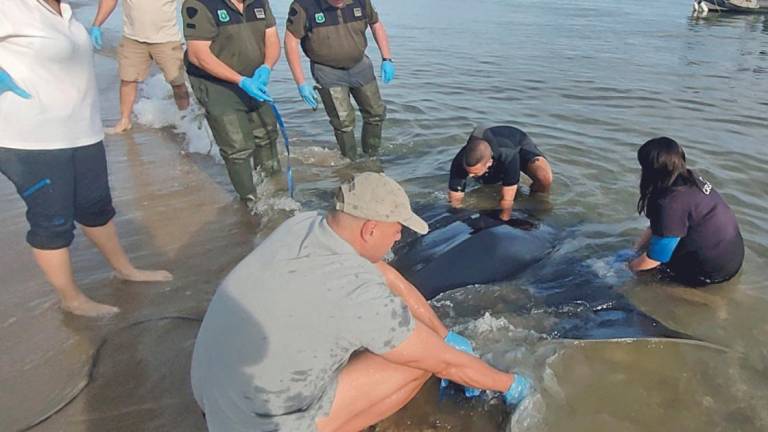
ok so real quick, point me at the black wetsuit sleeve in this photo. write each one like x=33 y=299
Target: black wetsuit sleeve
x=511 y=173
x=458 y=179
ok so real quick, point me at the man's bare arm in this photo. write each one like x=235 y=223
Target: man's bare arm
x=425 y=350
x=271 y=47
x=292 y=54
x=455 y=198
x=380 y=36
x=106 y=7
x=507 y=201
x=416 y=302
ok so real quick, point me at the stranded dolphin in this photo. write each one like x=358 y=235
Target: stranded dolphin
x=465 y=248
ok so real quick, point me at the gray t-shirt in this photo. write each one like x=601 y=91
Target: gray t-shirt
x=283 y=324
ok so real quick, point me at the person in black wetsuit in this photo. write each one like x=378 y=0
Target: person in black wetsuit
x=497 y=155
x=693 y=236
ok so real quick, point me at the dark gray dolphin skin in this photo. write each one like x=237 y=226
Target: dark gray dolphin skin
x=466 y=248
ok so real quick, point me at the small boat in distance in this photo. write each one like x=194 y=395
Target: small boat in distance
x=703 y=7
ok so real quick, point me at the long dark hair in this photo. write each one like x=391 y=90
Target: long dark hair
x=662 y=161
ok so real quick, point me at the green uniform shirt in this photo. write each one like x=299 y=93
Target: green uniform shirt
x=237 y=39
x=329 y=35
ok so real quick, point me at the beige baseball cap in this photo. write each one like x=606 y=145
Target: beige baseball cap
x=377 y=197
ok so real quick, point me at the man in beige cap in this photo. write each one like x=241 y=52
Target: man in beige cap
x=313 y=331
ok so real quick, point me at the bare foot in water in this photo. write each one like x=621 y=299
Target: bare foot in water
x=120 y=127
x=89 y=308
x=136 y=275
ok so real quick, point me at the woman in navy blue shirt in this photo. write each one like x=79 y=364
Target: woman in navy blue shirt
x=693 y=236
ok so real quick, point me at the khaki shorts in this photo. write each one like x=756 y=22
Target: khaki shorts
x=135 y=58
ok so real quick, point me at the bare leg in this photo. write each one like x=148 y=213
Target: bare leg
x=105 y=238
x=58 y=270
x=181 y=96
x=540 y=172
x=128 y=92
x=369 y=390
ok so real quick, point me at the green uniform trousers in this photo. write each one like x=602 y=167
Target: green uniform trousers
x=244 y=129
x=339 y=108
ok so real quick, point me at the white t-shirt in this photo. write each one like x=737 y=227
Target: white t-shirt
x=152 y=21
x=49 y=56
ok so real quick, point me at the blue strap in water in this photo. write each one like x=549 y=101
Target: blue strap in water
x=281 y=124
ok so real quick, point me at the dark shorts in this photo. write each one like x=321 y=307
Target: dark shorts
x=357 y=76
x=60 y=187
x=529 y=152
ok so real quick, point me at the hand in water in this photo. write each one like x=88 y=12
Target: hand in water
x=308 y=94
x=8 y=85
x=623 y=256
x=518 y=390
x=387 y=71
x=254 y=89
x=95 y=33
x=463 y=344
x=262 y=74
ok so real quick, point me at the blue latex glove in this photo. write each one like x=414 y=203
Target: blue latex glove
x=387 y=71
x=95 y=33
x=7 y=84
x=261 y=75
x=518 y=390
x=462 y=344
x=623 y=256
x=254 y=89
x=308 y=94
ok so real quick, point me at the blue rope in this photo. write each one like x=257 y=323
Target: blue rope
x=281 y=124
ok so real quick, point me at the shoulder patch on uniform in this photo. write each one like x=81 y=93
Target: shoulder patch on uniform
x=358 y=12
x=319 y=17
x=192 y=11
x=223 y=15
x=293 y=12
x=260 y=14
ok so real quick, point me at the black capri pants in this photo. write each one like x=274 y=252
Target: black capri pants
x=60 y=187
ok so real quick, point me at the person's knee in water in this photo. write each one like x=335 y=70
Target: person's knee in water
x=336 y=50
x=693 y=237
x=321 y=333
x=497 y=155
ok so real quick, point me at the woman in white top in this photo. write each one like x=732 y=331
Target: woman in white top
x=51 y=143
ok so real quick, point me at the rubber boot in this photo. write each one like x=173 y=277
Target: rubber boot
x=347 y=144
x=241 y=176
x=266 y=158
x=371 y=141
